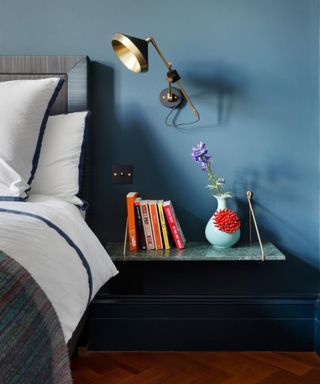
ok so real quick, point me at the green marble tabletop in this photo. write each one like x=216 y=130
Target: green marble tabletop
x=197 y=251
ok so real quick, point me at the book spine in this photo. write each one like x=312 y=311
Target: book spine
x=146 y=225
x=132 y=231
x=163 y=226
x=183 y=239
x=141 y=236
x=173 y=226
x=155 y=225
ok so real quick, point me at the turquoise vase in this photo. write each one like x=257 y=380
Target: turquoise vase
x=217 y=238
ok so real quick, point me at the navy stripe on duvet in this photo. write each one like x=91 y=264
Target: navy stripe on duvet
x=62 y=234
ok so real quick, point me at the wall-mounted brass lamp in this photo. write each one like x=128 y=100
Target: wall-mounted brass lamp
x=133 y=52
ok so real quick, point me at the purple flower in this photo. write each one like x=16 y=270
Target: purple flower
x=200 y=155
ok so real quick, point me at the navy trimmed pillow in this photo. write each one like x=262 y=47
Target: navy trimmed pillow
x=60 y=165
x=24 y=110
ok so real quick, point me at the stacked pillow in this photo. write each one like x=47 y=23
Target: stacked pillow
x=38 y=151
x=60 y=165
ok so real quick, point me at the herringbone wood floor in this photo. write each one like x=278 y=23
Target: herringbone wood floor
x=196 y=368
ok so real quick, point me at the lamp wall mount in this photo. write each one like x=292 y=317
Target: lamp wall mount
x=171 y=97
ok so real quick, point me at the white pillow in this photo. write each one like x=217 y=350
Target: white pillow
x=59 y=169
x=24 y=108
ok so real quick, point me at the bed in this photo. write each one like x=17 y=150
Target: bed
x=47 y=247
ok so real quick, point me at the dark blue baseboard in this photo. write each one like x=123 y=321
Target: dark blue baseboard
x=202 y=323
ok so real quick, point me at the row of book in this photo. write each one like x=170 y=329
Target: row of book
x=152 y=224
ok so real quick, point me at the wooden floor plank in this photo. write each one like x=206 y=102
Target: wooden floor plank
x=280 y=361
x=235 y=362
x=115 y=376
x=85 y=375
x=216 y=376
x=247 y=375
x=312 y=377
x=149 y=376
x=309 y=358
x=137 y=362
x=196 y=368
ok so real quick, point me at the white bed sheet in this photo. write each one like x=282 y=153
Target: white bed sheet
x=43 y=248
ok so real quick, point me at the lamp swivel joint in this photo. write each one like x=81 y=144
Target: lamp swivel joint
x=173 y=76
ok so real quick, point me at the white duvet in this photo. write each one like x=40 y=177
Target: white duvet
x=49 y=238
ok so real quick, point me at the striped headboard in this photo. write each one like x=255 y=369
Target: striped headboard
x=73 y=96
x=73 y=69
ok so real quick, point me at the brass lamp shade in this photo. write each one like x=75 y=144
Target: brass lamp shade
x=132 y=51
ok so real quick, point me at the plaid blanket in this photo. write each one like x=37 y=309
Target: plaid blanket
x=32 y=346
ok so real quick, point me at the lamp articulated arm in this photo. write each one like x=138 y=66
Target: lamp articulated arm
x=151 y=40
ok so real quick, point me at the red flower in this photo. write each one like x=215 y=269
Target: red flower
x=226 y=220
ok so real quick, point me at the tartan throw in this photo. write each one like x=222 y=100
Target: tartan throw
x=32 y=346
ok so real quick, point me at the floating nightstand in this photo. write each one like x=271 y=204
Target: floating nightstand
x=199 y=251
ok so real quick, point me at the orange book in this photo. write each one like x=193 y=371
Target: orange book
x=156 y=228
x=132 y=230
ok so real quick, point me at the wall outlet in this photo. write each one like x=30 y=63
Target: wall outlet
x=122 y=174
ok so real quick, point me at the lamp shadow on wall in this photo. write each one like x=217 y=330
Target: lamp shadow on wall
x=157 y=173
x=136 y=145
x=215 y=86
x=122 y=136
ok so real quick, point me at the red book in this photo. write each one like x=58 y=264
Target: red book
x=132 y=230
x=174 y=225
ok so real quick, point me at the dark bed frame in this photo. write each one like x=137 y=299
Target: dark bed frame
x=73 y=97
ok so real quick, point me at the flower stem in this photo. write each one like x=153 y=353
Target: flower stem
x=212 y=178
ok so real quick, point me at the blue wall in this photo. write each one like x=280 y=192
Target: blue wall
x=251 y=67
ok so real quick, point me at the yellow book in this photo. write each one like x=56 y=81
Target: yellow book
x=163 y=225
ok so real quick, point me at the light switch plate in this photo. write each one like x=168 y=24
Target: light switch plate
x=122 y=174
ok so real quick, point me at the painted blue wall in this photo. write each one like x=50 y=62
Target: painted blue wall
x=251 y=67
